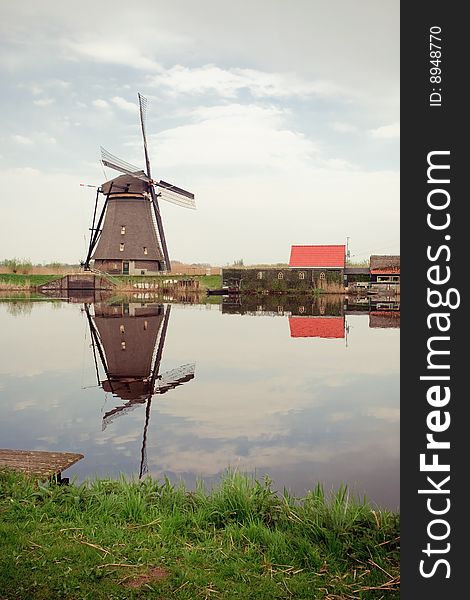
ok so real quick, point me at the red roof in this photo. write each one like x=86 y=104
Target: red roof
x=391 y=270
x=317 y=256
x=323 y=327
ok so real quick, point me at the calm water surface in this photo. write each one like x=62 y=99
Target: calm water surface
x=305 y=398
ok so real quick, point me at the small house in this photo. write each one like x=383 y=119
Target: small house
x=385 y=272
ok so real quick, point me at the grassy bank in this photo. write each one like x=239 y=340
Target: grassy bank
x=14 y=281
x=112 y=539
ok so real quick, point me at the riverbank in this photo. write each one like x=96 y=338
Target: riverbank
x=118 y=539
x=123 y=283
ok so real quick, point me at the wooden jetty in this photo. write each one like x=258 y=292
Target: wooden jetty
x=42 y=465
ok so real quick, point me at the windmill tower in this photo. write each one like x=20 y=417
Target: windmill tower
x=128 y=237
x=129 y=340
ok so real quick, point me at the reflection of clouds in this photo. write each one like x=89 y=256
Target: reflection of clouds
x=116 y=440
x=340 y=416
x=45 y=340
x=385 y=413
x=25 y=404
x=50 y=439
x=303 y=410
x=244 y=410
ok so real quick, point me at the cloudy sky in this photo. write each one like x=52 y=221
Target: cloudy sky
x=282 y=117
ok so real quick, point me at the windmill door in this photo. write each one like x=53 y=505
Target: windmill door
x=125 y=268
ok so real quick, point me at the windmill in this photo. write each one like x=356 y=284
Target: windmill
x=127 y=237
x=125 y=338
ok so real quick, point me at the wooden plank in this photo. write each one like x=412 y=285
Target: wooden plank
x=40 y=464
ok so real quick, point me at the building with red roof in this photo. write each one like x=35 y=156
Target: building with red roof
x=318 y=257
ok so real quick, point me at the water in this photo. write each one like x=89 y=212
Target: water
x=245 y=385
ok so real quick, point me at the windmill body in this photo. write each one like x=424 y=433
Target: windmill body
x=127 y=237
x=129 y=241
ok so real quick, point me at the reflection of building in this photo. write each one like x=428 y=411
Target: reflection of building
x=283 y=304
x=320 y=316
x=322 y=327
x=384 y=319
x=129 y=339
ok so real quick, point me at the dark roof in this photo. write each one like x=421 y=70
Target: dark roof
x=322 y=327
x=125 y=184
x=385 y=262
x=317 y=256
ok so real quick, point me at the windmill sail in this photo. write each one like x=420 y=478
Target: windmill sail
x=113 y=162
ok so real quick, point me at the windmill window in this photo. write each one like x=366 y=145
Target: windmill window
x=121 y=247
x=259 y=275
x=301 y=275
x=121 y=328
x=280 y=275
x=123 y=345
x=145 y=250
x=123 y=229
x=145 y=325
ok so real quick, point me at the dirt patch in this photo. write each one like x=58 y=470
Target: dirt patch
x=153 y=574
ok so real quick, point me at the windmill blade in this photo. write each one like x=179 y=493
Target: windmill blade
x=175 y=195
x=113 y=162
x=175 y=377
x=161 y=233
x=119 y=411
x=143 y=117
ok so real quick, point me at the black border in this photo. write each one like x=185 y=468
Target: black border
x=426 y=128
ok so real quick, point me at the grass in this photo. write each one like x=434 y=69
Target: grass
x=15 y=281
x=9 y=281
x=117 y=539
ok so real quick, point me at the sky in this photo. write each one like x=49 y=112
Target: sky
x=281 y=117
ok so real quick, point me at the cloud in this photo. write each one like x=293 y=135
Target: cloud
x=116 y=53
x=21 y=139
x=39 y=137
x=344 y=127
x=386 y=132
x=124 y=104
x=99 y=103
x=235 y=136
x=44 y=101
x=228 y=83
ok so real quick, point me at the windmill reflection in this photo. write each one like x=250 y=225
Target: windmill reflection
x=128 y=339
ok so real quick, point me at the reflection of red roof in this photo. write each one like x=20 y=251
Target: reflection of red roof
x=323 y=327
x=317 y=256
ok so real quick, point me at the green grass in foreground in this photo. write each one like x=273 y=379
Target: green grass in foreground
x=117 y=539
